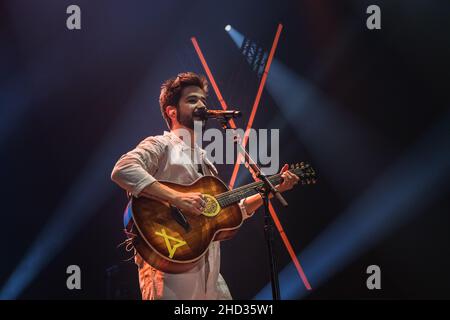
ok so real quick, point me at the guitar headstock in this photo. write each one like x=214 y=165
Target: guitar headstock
x=305 y=172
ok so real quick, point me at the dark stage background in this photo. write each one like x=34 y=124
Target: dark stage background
x=369 y=109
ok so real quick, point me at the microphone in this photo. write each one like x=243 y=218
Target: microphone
x=204 y=113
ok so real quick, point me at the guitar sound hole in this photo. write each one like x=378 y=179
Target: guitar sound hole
x=210 y=207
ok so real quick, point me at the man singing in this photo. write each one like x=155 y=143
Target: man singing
x=163 y=157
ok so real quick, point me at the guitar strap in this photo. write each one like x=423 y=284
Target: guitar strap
x=127 y=216
x=210 y=166
x=200 y=169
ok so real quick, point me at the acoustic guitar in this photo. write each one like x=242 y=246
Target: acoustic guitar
x=174 y=242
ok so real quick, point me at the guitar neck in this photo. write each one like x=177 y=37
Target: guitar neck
x=233 y=196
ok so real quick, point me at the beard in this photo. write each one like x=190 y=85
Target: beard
x=186 y=120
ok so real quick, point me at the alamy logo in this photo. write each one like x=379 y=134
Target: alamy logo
x=374 y=280
x=263 y=146
x=74 y=280
x=374 y=20
x=73 y=22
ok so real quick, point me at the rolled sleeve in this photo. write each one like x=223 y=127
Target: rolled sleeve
x=245 y=214
x=134 y=170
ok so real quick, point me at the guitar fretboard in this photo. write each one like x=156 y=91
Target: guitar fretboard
x=233 y=196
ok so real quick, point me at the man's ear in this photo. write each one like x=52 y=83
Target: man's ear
x=171 y=112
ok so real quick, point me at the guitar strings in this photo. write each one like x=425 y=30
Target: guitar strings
x=241 y=192
x=231 y=196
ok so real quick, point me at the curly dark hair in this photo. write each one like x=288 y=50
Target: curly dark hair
x=171 y=90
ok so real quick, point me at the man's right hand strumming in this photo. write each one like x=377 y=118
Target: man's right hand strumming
x=191 y=202
x=188 y=202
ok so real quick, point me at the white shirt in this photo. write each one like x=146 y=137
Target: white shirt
x=168 y=158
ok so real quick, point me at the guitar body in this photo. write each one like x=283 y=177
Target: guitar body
x=174 y=242
x=166 y=242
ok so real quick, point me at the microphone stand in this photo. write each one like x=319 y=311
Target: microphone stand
x=264 y=192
